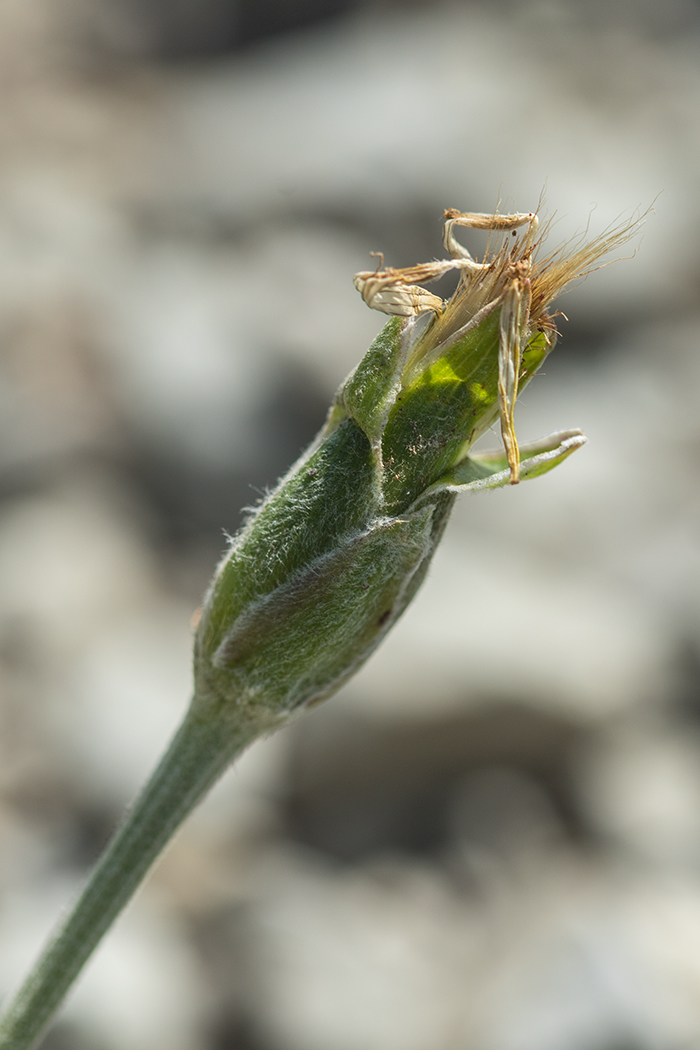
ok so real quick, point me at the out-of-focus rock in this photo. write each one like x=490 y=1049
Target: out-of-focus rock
x=641 y=788
x=554 y=952
x=88 y=639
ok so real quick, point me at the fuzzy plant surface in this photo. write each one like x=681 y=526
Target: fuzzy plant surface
x=330 y=559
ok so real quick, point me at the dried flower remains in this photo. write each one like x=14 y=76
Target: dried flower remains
x=514 y=277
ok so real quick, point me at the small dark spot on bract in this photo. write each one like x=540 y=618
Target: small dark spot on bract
x=384 y=617
x=312 y=472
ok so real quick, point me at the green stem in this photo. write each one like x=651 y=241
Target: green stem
x=199 y=753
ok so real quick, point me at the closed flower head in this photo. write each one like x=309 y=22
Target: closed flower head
x=332 y=557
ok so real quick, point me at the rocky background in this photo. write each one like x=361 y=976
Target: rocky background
x=491 y=839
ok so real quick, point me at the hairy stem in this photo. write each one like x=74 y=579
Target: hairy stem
x=197 y=756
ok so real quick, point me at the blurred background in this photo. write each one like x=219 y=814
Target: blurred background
x=490 y=840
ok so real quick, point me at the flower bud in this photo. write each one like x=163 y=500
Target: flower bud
x=331 y=558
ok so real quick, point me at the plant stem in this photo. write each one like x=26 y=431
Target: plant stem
x=198 y=754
